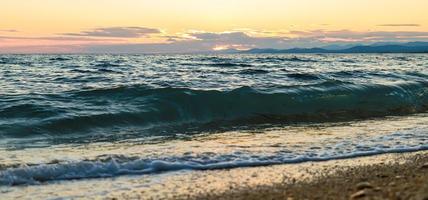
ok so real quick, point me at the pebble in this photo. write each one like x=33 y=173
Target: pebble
x=359 y=194
x=364 y=185
x=424 y=166
x=382 y=175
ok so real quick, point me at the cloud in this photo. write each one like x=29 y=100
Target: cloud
x=239 y=39
x=398 y=25
x=355 y=36
x=194 y=42
x=54 y=44
x=200 y=41
x=60 y=38
x=303 y=39
x=207 y=41
x=117 y=32
x=227 y=36
x=9 y=30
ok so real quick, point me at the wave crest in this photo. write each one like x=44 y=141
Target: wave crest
x=143 y=106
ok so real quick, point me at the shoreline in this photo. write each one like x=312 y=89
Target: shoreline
x=387 y=176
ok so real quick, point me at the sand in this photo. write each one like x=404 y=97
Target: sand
x=389 y=176
x=406 y=179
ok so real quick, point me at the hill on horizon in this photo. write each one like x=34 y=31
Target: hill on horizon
x=410 y=47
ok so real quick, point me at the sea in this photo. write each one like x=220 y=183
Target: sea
x=66 y=120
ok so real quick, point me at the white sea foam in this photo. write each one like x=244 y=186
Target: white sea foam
x=336 y=148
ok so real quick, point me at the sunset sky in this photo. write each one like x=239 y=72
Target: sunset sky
x=170 y=26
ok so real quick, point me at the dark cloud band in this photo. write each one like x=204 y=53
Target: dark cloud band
x=398 y=25
x=117 y=32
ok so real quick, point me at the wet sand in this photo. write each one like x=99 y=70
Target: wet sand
x=389 y=176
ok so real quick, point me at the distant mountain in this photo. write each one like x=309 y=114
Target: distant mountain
x=411 y=47
x=339 y=46
x=386 y=49
x=414 y=44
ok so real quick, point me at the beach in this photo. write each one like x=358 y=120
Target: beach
x=389 y=176
x=213 y=100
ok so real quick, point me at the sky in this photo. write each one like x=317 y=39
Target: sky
x=184 y=26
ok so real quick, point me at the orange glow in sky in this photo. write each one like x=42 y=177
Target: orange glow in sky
x=45 y=22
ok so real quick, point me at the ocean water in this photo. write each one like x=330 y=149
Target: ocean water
x=84 y=117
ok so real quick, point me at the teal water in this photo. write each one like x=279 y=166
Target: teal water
x=142 y=103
